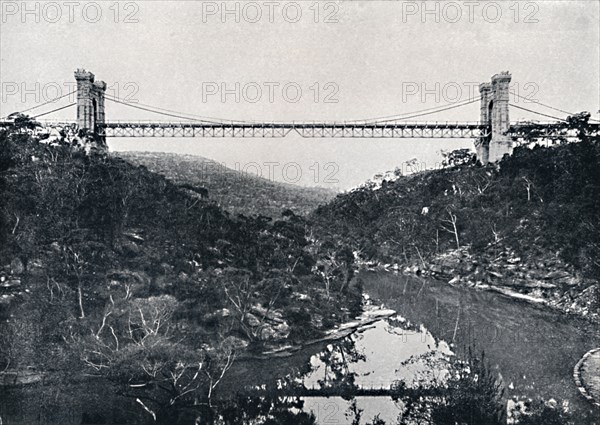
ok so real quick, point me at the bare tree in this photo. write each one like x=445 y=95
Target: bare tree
x=451 y=221
x=75 y=264
x=496 y=234
x=483 y=182
x=135 y=345
x=238 y=291
x=528 y=185
x=219 y=366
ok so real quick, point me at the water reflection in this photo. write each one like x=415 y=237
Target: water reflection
x=533 y=349
x=392 y=350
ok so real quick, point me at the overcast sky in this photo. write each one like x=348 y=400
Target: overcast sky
x=350 y=60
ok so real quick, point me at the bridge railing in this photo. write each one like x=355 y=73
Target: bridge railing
x=294 y=124
x=533 y=122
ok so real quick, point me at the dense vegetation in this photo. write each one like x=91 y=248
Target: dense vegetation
x=533 y=221
x=233 y=190
x=110 y=269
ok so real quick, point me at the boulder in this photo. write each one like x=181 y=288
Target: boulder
x=271 y=333
x=568 y=280
x=539 y=284
x=448 y=262
x=11 y=283
x=301 y=297
x=251 y=320
x=216 y=315
x=16 y=266
x=454 y=280
x=556 y=274
x=130 y=249
x=270 y=315
x=234 y=343
x=478 y=274
x=436 y=268
x=36 y=267
x=282 y=330
x=224 y=312
x=266 y=333
x=317 y=321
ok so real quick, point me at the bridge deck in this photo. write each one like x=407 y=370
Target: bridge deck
x=401 y=129
x=311 y=130
x=395 y=130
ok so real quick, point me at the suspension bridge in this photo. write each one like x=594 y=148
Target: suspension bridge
x=494 y=134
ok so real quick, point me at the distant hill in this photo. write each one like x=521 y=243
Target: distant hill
x=234 y=191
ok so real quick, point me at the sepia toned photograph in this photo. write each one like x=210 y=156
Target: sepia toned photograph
x=309 y=212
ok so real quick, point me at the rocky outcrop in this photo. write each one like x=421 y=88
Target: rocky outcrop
x=545 y=279
x=21 y=377
x=587 y=376
x=367 y=318
x=11 y=280
x=267 y=325
x=549 y=281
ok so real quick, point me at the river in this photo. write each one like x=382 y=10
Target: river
x=532 y=348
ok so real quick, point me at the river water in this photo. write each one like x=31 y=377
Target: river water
x=532 y=348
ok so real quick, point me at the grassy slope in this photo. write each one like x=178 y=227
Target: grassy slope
x=232 y=190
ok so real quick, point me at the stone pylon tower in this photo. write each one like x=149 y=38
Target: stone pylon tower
x=482 y=146
x=494 y=112
x=90 y=101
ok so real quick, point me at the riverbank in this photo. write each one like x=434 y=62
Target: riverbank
x=527 y=227
x=587 y=376
x=549 y=282
x=368 y=317
x=532 y=349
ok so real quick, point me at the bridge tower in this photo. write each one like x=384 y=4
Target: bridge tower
x=494 y=112
x=90 y=101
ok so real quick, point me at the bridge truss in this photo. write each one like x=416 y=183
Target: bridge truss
x=549 y=130
x=385 y=130
x=400 y=130
x=428 y=130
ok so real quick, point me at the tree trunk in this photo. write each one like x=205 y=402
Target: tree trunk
x=80 y=297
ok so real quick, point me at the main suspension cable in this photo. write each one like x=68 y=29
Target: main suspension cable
x=43 y=104
x=548 y=106
x=539 y=113
x=55 y=110
x=171 y=113
x=458 y=105
x=404 y=115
